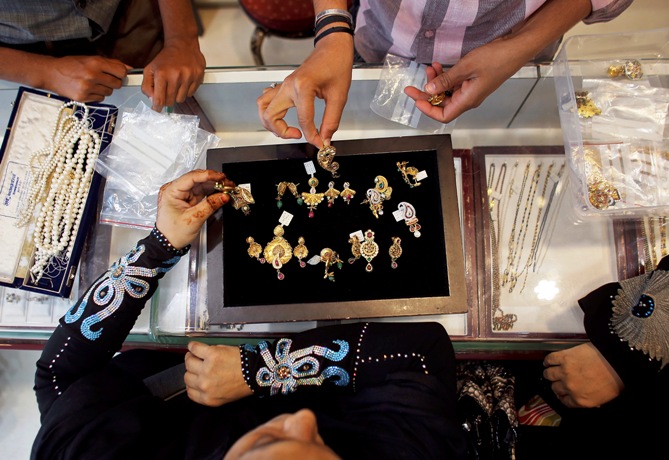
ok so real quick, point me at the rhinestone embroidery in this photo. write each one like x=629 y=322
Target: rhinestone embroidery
x=292 y=369
x=111 y=287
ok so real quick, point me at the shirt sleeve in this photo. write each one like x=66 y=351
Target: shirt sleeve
x=605 y=10
x=95 y=327
x=348 y=357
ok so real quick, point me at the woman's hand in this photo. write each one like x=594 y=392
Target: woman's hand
x=582 y=377
x=214 y=374
x=186 y=203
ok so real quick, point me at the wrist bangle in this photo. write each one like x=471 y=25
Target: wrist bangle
x=330 y=20
x=333 y=30
x=330 y=12
x=164 y=242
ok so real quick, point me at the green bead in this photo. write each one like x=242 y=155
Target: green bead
x=279 y=204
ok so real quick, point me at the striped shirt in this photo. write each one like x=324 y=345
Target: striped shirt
x=446 y=30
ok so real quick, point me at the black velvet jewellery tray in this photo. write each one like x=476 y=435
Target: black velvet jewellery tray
x=429 y=276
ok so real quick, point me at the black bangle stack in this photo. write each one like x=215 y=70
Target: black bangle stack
x=164 y=242
x=332 y=16
x=333 y=30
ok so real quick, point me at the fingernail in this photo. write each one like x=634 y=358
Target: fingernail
x=430 y=87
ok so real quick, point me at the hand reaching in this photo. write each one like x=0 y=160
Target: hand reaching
x=83 y=78
x=214 y=374
x=187 y=202
x=174 y=74
x=582 y=377
x=325 y=74
x=471 y=80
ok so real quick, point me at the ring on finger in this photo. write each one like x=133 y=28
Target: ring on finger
x=273 y=85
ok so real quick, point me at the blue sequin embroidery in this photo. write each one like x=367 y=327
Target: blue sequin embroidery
x=111 y=287
x=290 y=370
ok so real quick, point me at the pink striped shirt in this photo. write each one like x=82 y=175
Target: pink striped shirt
x=446 y=30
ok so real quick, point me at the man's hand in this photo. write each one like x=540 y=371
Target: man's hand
x=325 y=74
x=174 y=74
x=581 y=377
x=214 y=374
x=81 y=78
x=187 y=202
x=470 y=81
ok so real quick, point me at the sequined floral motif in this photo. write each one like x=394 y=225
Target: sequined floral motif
x=111 y=288
x=287 y=370
x=641 y=314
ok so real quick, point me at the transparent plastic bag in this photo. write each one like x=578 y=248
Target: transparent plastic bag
x=149 y=149
x=391 y=103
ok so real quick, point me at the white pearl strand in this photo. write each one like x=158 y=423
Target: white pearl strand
x=67 y=175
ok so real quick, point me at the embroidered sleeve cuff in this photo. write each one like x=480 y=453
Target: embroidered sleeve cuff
x=272 y=369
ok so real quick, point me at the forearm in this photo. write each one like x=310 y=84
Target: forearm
x=547 y=25
x=178 y=20
x=26 y=68
x=97 y=325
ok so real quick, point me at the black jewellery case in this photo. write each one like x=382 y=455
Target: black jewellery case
x=429 y=276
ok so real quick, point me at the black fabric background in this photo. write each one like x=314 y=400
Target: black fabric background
x=422 y=269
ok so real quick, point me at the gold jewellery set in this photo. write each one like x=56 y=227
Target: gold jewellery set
x=278 y=252
x=630 y=69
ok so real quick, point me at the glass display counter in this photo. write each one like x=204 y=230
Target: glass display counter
x=521 y=113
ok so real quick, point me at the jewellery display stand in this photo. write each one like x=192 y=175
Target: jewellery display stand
x=428 y=279
x=538 y=257
x=33 y=124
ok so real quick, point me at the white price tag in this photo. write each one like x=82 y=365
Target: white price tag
x=285 y=218
x=310 y=168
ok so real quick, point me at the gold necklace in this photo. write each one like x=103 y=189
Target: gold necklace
x=524 y=225
x=512 y=235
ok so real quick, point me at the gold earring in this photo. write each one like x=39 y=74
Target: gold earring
x=376 y=195
x=330 y=258
x=347 y=194
x=241 y=196
x=408 y=172
x=281 y=188
x=254 y=250
x=355 y=249
x=395 y=251
x=312 y=198
x=278 y=251
x=301 y=251
x=369 y=249
x=331 y=194
x=408 y=212
x=325 y=159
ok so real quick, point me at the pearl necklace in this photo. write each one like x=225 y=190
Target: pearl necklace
x=62 y=175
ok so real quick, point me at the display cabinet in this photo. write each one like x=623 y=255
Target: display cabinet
x=514 y=138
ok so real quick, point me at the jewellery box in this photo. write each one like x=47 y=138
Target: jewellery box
x=48 y=188
x=613 y=101
x=372 y=232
